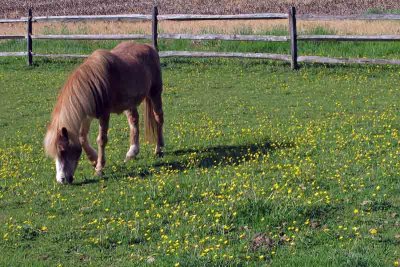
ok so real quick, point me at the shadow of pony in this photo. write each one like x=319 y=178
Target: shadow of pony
x=208 y=157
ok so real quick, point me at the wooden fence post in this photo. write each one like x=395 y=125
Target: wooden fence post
x=29 y=37
x=293 y=37
x=155 y=27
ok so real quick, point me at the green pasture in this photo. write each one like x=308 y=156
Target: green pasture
x=264 y=166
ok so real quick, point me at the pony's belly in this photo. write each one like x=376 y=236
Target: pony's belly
x=120 y=108
x=126 y=104
x=117 y=111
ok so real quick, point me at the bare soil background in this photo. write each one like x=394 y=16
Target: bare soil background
x=18 y=8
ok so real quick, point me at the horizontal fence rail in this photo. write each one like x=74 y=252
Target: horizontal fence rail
x=132 y=17
x=292 y=36
x=224 y=17
x=60 y=55
x=328 y=60
x=13 y=20
x=9 y=37
x=227 y=37
x=93 y=37
x=191 y=54
x=166 y=54
x=351 y=17
x=348 y=37
x=13 y=54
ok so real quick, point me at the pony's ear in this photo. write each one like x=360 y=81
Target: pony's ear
x=62 y=142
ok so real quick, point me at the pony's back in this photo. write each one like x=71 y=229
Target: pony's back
x=145 y=55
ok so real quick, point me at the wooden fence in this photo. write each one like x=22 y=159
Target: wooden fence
x=292 y=36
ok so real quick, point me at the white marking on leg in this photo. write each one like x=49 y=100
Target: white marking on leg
x=132 y=152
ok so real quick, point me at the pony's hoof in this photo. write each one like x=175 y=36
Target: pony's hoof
x=132 y=153
x=128 y=158
x=99 y=173
x=159 y=154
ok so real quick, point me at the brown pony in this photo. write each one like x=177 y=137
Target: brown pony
x=106 y=82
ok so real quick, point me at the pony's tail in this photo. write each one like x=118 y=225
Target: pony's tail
x=150 y=125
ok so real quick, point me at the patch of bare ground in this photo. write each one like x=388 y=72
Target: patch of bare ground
x=18 y=8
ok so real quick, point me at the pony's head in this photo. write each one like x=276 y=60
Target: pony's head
x=66 y=154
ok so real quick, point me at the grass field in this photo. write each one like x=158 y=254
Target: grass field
x=263 y=166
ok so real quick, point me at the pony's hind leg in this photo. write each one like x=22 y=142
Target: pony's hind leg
x=84 y=140
x=101 y=142
x=133 y=121
x=159 y=118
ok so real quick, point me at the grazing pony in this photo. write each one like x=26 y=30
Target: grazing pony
x=106 y=82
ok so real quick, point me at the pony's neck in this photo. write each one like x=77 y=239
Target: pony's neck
x=85 y=94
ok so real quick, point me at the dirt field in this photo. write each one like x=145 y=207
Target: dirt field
x=18 y=8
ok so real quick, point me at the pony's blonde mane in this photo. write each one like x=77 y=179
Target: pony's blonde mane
x=85 y=94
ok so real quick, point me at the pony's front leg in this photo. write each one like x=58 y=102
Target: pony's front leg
x=101 y=142
x=133 y=121
x=84 y=140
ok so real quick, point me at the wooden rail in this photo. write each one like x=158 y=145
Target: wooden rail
x=60 y=55
x=166 y=54
x=358 y=38
x=327 y=60
x=263 y=16
x=93 y=37
x=9 y=37
x=12 y=54
x=226 y=37
x=223 y=37
x=13 y=20
x=133 y=17
x=191 y=54
x=351 y=17
x=292 y=36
